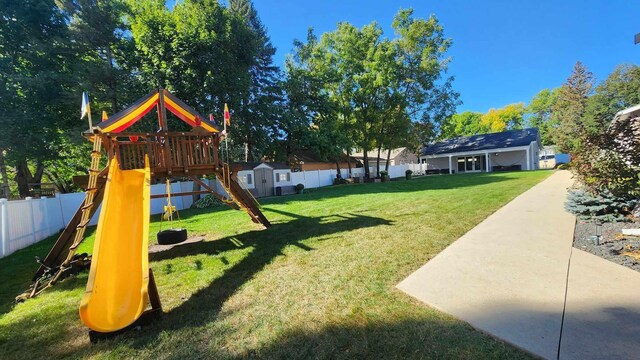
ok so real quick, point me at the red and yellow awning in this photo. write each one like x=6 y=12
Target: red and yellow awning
x=125 y=118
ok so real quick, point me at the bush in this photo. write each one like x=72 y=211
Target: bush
x=340 y=181
x=384 y=174
x=208 y=201
x=604 y=207
x=604 y=170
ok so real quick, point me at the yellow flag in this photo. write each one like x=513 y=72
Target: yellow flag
x=104 y=115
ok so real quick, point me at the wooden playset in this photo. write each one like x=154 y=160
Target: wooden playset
x=120 y=285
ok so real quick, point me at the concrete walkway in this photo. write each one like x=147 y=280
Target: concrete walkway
x=508 y=275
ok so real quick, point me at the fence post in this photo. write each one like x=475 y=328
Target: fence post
x=45 y=214
x=4 y=220
x=33 y=220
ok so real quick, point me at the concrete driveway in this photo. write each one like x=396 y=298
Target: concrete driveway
x=508 y=277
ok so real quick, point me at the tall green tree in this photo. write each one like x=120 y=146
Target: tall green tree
x=260 y=103
x=570 y=107
x=421 y=75
x=312 y=119
x=100 y=40
x=36 y=62
x=209 y=55
x=100 y=35
x=373 y=82
x=620 y=90
x=462 y=124
x=539 y=114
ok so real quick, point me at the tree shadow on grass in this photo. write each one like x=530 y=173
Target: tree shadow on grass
x=204 y=305
x=266 y=244
x=417 y=338
x=45 y=333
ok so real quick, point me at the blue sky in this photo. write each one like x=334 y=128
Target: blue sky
x=503 y=51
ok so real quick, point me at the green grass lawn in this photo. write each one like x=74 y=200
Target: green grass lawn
x=319 y=284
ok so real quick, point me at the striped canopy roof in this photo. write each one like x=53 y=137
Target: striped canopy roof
x=124 y=119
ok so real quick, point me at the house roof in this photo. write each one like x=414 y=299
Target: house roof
x=373 y=153
x=501 y=140
x=623 y=115
x=252 y=165
x=309 y=156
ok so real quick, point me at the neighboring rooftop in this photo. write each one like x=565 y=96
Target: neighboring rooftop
x=383 y=153
x=501 y=140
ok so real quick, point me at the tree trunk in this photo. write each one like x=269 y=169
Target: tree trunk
x=23 y=178
x=249 y=151
x=58 y=182
x=378 y=160
x=338 y=174
x=5 y=192
x=349 y=161
x=37 y=177
x=386 y=167
x=366 y=164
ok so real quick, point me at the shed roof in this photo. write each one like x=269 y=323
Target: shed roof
x=252 y=165
x=501 y=140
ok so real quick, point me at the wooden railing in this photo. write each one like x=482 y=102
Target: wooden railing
x=169 y=153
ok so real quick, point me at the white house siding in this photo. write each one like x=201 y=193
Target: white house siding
x=534 y=152
x=286 y=180
x=405 y=157
x=508 y=158
x=437 y=163
x=497 y=157
x=243 y=176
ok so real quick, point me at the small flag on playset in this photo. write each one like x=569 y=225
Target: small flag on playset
x=86 y=106
x=211 y=118
x=227 y=116
x=104 y=115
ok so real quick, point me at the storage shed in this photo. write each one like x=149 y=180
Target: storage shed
x=264 y=178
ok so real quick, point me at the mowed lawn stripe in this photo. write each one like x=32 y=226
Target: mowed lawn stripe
x=319 y=284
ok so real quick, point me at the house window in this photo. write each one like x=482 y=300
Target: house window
x=248 y=179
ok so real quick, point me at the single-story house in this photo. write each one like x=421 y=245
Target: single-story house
x=264 y=178
x=503 y=151
x=399 y=156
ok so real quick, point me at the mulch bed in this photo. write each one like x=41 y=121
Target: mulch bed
x=621 y=249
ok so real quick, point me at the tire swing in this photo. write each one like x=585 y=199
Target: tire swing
x=172 y=235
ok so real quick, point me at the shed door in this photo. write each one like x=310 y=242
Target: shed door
x=264 y=182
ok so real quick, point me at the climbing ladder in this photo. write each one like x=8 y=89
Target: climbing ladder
x=240 y=196
x=64 y=250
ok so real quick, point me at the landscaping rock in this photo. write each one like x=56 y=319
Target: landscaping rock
x=612 y=243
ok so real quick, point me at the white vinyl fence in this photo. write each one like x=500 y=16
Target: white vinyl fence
x=25 y=222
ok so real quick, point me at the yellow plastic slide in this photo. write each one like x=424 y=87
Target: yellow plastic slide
x=116 y=292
